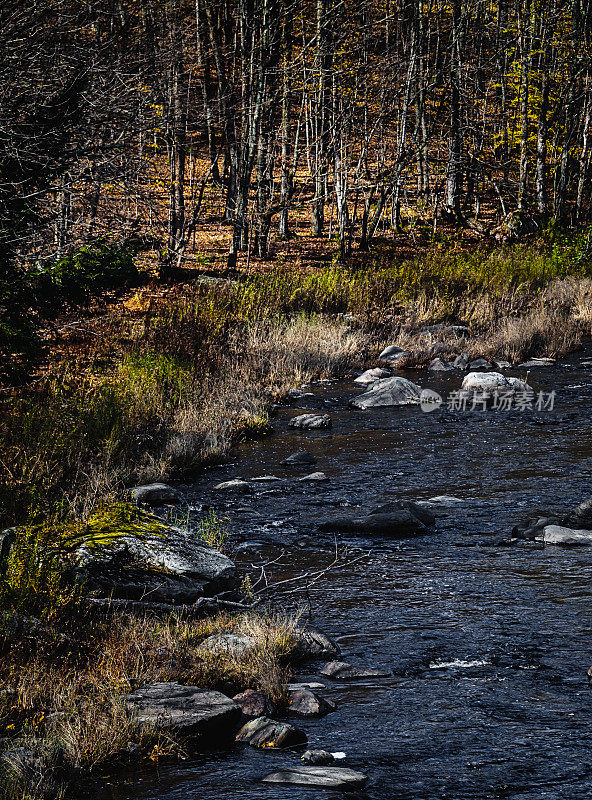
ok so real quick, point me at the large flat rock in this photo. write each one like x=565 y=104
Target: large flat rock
x=188 y=709
x=343 y=671
x=328 y=777
x=165 y=553
x=400 y=524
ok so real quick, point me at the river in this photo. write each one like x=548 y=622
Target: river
x=488 y=645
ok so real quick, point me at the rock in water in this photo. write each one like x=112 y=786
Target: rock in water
x=237 y=485
x=267 y=733
x=328 y=777
x=305 y=703
x=400 y=524
x=439 y=365
x=314 y=477
x=567 y=537
x=188 y=709
x=389 y=392
x=581 y=516
x=422 y=514
x=342 y=671
x=155 y=494
x=372 y=375
x=255 y=703
x=311 y=422
x=492 y=382
x=313 y=643
x=479 y=363
x=301 y=458
x=319 y=758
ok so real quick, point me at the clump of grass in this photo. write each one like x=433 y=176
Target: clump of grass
x=213 y=530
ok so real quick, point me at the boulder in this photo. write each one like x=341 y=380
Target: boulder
x=320 y=758
x=186 y=709
x=255 y=704
x=313 y=643
x=237 y=485
x=314 y=477
x=399 y=524
x=566 y=537
x=310 y=422
x=533 y=363
x=305 y=703
x=300 y=459
x=372 y=375
x=532 y=528
x=155 y=494
x=322 y=777
x=389 y=392
x=492 y=382
x=342 y=671
x=269 y=734
x=298 y=394
x=502 y=364
x=439 y=365
x=160 y=559
x=393 y=354
x=229 y=644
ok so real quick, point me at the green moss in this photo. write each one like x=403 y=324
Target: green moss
x=110 y=523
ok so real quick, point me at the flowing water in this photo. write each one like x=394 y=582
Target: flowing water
x=488 y=645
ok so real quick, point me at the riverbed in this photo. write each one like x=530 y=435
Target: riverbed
x=488 y=645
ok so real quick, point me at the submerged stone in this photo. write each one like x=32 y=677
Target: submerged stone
x=301 y=458
x=342 y=671
x=399 y=524
x=327 y=777
x=311 y=422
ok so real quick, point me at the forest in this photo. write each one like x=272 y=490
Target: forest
x=138 y=123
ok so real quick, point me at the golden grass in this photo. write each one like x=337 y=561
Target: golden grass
x=77 y=709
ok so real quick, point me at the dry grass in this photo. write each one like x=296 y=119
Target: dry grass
x=508 y=328
x=77 y=711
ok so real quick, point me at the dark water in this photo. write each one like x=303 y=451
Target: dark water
x=488 y=645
